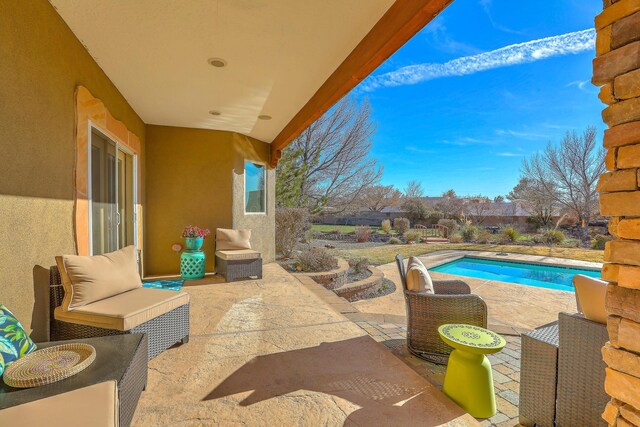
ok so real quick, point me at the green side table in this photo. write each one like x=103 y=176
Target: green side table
x=468 y=380
x=192 y=265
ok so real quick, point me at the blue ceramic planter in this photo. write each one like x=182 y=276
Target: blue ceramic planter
x=193 y=243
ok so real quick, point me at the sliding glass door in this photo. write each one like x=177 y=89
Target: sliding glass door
x=112 y=195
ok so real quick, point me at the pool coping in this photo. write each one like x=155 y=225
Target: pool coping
x=517 y=258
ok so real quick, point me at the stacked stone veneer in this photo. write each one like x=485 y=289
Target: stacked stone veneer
x=617 y=69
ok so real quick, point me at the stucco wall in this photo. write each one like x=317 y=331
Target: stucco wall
x=41 y=63
x=195 y=177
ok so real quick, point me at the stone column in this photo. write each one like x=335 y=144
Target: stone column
x=617 y=69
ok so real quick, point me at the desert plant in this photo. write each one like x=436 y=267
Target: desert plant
x=484 y=236
x=291 y=225
x=316 y=259
x=359 y=265
x=401 y=225
x=363 y=233
x=394 y=241
x=386 y=226
x=412 y=236
x=469 y=233
x=553 y=236
x=510 y=234
x=599 y=241
x=456 y=238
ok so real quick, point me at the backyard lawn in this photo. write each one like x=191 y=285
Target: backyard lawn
x=384 y=254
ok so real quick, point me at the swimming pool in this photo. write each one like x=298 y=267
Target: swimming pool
x=541 y=276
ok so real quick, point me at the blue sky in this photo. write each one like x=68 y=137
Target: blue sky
x=470 y=132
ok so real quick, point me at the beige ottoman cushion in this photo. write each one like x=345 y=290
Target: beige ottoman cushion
x=238 y=254
x=95 y=405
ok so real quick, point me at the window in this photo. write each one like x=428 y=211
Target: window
x=254 y=188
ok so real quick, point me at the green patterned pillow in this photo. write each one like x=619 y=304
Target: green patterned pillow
x=14 y=341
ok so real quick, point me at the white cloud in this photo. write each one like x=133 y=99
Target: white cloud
x=580 y=84
x=515 y=54
x=509 y=154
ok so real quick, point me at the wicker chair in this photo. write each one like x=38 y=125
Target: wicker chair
x=451 y=302
x=162 y=332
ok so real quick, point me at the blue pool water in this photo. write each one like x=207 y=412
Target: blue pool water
x=541 y=276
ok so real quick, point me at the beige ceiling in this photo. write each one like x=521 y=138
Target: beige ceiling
x=279 y=52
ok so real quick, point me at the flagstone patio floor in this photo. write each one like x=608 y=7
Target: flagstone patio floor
x=278 y=352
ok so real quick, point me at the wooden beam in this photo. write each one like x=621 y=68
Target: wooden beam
x=401 y=22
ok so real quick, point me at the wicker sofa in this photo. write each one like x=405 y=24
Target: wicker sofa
x=162 y=315
x=451 y=302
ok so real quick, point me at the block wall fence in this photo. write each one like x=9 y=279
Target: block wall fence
x=616 y=69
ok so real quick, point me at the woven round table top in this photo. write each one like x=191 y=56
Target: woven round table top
x=49 y=365
x=473 y=339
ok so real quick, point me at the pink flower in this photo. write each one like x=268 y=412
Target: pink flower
x=191 y=231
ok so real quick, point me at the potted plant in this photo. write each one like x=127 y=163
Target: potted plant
x=194 y=237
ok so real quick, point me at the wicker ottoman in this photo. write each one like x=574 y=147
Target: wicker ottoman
x=239 y=264
x=538 y=376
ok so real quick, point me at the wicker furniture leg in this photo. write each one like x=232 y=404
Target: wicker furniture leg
x=538 y=376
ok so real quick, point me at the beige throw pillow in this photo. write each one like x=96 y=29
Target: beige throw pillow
x=88 y=279
x=590 y=297
x=418 y=278
x=232 y=239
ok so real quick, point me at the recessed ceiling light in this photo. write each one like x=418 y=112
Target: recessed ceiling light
x=217 y=62
x=264 y=117
x=214 y=113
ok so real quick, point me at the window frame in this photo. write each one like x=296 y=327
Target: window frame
x=122 y=147
x=244 y=195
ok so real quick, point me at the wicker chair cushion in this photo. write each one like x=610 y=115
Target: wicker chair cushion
x=238 y=254
x=590 y=297
x=418 y=278
x=87 y=279
x=232 y=239
x=125 y=311
x=94 y=405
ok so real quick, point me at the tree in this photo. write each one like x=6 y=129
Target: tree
x=498 y=199
x=378 y=197
x=450 y=204
x=415 y=209
x=479 y=208
x=568 y=173
x=413 y=189
x=333 y=157
x=540 y=204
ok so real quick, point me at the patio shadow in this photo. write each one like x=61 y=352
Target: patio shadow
x=358 y=370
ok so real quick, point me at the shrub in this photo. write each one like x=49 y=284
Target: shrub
x=433 y=217
x=291 y=225
x=363 y=233
x=599 y=241
x=386 y=226
x=401 y=225
x=412 y=236
x=553 y=236
x=456 y=238
x=484 y=236
x=510 y=234
x=394 y=241
x=469 y=233
x=451 y=224
x=316 y=259
x=359 y=265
